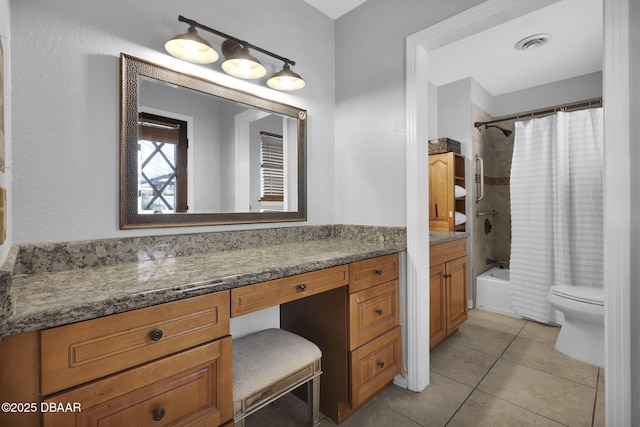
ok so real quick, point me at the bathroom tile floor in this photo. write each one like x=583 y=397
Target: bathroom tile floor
x=495 y=370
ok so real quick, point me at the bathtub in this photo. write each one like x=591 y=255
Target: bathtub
x=493 y=293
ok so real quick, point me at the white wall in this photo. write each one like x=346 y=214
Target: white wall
x=454 y=113
x=370 y=106
x=562 y=92
x=6 y=176
x=634 y=113
x=65 y=58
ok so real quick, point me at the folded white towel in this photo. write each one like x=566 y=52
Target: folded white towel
x=459 y=191
x=460 y=218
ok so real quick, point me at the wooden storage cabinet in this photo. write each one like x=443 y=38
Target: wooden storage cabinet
x=448 y=289
x=168 y=364
x=189 y=388
x=445 y=172
x=358 y=330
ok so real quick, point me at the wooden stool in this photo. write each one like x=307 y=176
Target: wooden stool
x=269 y=364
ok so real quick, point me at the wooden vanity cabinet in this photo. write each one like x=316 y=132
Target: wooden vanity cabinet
x=169 y=364
x=448 y=289
x=357 y=327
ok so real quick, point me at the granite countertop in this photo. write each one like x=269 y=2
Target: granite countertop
x=48 y=299
x=437 y=237
x=56 y=284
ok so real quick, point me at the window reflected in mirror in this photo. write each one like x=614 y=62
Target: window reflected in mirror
x=162 y=164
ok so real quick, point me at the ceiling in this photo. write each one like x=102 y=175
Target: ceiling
x=334 y=9
x=575 y=48
x=490 y=58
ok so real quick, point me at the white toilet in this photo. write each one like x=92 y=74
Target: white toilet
x=582 y=333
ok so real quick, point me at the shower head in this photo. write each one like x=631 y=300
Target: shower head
x=505 y=132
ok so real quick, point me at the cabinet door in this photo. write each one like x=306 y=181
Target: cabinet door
x=457 y=309
x=187 y=389
x=437 y=305
x=441 y=185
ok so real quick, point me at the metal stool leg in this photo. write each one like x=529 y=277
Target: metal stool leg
x=313 y=389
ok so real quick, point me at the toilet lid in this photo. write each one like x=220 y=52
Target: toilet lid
x=586 y=294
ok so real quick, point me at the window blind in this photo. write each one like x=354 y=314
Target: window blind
x=271 y=167
x=153 y=130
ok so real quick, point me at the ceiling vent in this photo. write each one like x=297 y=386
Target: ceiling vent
x=533 y=42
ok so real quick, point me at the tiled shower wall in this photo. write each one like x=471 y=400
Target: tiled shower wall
x=496 y=150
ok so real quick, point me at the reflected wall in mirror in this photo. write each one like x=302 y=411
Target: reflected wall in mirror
x=193 y=152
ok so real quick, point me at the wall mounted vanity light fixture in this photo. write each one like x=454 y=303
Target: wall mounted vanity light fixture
x=191 y=47
x=239 y=62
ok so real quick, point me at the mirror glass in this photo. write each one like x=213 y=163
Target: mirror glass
x=193 y=152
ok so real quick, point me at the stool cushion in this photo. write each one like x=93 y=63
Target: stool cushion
x=265 y=357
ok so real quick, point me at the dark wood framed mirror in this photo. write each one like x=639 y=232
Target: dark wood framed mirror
x=193 y=152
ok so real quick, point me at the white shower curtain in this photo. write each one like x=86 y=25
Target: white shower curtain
x=556 y=208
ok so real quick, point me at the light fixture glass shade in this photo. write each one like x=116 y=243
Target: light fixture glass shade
x=286 y=79
x=240 y=63
x=191 y=47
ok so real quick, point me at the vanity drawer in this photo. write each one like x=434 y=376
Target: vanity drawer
x=370 y=272
x=444 y=252
x=256 y=297
x=84 y=351
x=374 y=365
x=193 y=387
x=373 y=312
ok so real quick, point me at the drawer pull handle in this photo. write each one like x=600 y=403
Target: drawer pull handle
x=381 y=364
x=158 y=414
x=156 y=335
x=379 y=311
x=379 y=272
x=302 y=287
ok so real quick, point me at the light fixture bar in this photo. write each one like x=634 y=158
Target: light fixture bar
x=227 y=36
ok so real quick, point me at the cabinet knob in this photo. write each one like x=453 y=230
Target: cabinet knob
x=381 y=364
x=302 y=287
x=379 y=311
x=156 y=335
x=446 y=276
x=379 y=272
x=158 y=414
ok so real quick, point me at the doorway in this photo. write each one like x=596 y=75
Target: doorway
x=617 y=187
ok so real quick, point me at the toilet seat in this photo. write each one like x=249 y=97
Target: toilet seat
x=583 y=294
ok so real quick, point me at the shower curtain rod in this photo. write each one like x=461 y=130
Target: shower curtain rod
x=589 y=103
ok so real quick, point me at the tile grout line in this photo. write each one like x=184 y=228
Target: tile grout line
x=549 y=373
x=538 y=370
x=522 y=364
x=485 y=374
x=595 y=401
